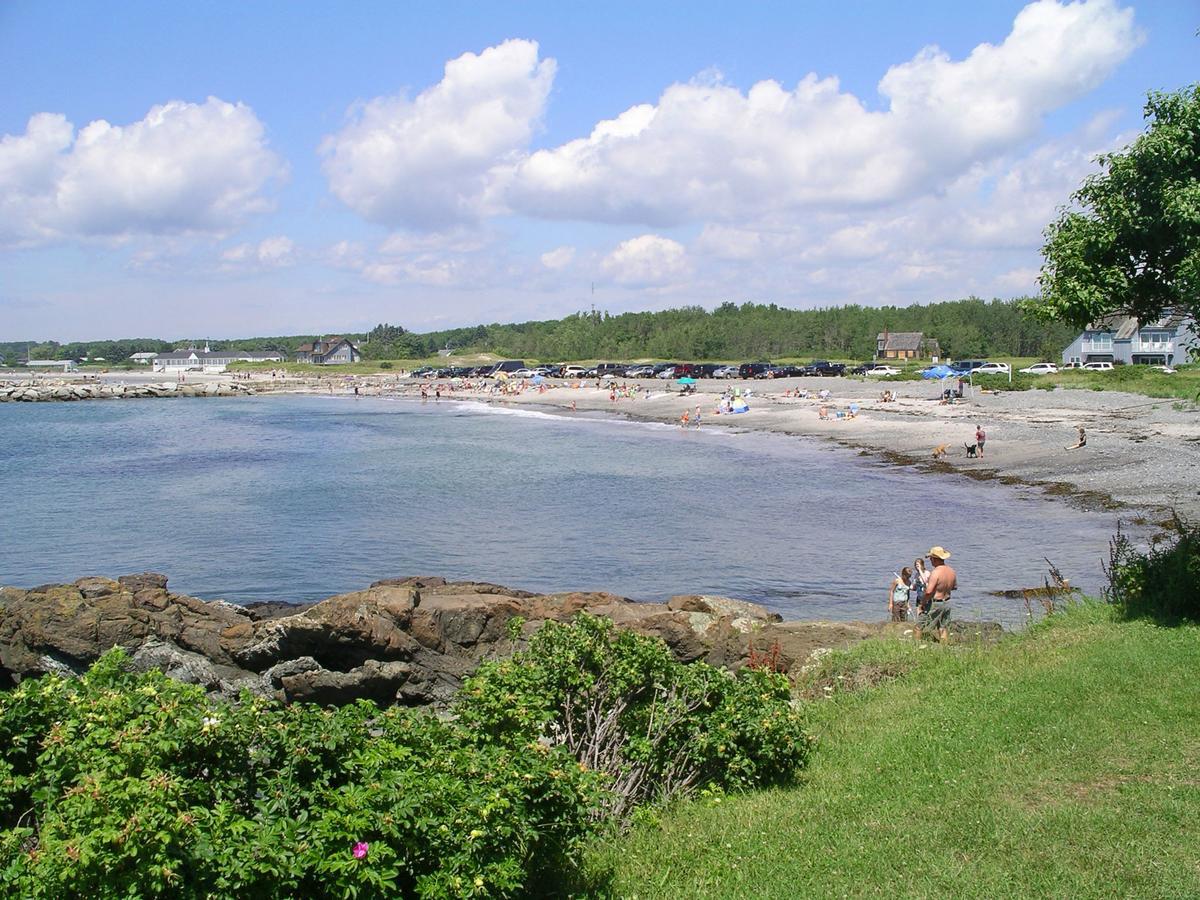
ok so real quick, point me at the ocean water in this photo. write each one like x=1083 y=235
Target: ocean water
x=297 y=498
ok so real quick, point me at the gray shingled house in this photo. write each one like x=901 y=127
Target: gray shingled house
x=329 y=351
x=1165 y=342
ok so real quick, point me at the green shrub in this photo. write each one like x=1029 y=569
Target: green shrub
x=385 y=365
x=134 y=785
x=120 y=785
x=1162 y=583
x=1020 y=382
x=621 y=704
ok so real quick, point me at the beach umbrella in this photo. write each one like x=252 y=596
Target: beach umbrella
x=686 y=380
x=937 y=372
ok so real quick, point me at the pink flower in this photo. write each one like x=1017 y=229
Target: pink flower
x=360 y=850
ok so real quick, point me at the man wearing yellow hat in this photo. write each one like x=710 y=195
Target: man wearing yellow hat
x=935 y=605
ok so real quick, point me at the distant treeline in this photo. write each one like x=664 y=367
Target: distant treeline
x=964 y=328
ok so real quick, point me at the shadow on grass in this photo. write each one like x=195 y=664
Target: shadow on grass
x=1161 y=584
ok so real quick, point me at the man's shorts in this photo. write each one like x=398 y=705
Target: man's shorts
x=937 y=616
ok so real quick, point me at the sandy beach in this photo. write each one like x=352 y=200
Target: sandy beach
x=1141 y=453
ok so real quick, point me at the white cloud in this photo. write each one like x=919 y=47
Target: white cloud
x=270 y=253
x=185 y=168
x=558 y=258
x=648 y=260
x=707 y=151
x=427 y=163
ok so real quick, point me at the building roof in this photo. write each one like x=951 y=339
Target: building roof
x=1125 y=327
x=50 y=362
x=330 y=343
x=901 y=340
x=143 y=355
x=202 y=355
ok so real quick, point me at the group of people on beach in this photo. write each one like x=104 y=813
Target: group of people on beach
x=922 y=594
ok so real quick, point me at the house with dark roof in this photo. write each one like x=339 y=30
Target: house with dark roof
x=1168 y=341
x=905 y=345
x=329 y=351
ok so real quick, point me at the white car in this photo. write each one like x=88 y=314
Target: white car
x=1098 y=367
x=573 y=371
x=1041 y=369
x=726 y=372
x=992 y=368
x=882 y=371
x=666 y=373
x=523 y=373
x=1166 y=370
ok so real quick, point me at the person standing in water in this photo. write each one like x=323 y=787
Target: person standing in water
x=935 y=610
x=898 y=595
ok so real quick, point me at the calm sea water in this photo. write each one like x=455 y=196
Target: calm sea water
x=297 y=498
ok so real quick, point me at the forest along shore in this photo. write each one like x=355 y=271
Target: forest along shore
x=1140 y=452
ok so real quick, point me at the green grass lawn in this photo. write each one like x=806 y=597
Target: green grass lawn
x=1060 y=763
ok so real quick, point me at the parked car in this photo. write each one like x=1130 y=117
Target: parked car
x=726 y=372
x=668 y=372
x=992 y=368
x=573 y=371
x=824 y=368
x=1042 y=368
x=751 y=370
x=881 y=371
x=523 y=373
x=640 y=372
x=771 y=372
x=863 y=368
x=1098 y=366
x=1166 y=370
x=704 y=370
x=1070 y=365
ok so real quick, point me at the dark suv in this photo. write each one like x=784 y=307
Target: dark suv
x=824 y=367
x=752 y=370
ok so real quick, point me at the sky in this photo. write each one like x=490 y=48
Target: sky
x=220 y=169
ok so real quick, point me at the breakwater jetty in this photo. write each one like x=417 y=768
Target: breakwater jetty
x=62 y=391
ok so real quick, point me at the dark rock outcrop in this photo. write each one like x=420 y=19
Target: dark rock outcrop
x=405 y=640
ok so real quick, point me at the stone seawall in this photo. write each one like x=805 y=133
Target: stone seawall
x=26 y=392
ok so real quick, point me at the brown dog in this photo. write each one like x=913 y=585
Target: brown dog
x=940 y=450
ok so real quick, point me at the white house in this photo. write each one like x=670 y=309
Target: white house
x=206 y=360
x=47 y=365
x=1168 y=341
x=142 y=359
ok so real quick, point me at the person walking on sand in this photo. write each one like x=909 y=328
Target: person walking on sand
x=980 y=437
x=935 y=606
x=696 y=417
x=898 y=595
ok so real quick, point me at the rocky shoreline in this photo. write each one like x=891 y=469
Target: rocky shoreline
x=406 y=640
x=49 y=391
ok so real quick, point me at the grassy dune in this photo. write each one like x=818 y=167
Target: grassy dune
x=1064 y=762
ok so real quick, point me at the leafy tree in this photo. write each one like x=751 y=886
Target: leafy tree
x=1133 y=244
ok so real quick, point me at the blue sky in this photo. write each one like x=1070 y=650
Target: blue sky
x=220 y=169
